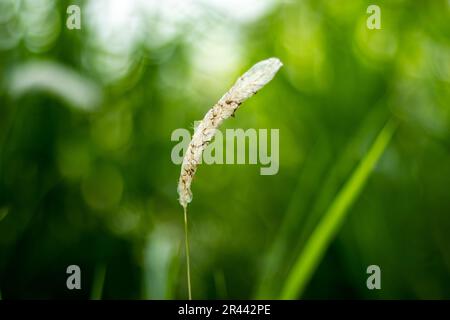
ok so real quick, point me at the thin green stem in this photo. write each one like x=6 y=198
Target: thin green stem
x=99 y=282
x=323 y=234
x=186 y=240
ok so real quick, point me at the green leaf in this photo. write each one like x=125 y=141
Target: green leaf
x=323 y=234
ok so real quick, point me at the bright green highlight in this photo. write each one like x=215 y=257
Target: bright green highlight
x=309 y=258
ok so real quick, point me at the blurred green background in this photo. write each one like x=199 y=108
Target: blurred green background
x=86 y=176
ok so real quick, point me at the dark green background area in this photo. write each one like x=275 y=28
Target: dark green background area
x=97 y=187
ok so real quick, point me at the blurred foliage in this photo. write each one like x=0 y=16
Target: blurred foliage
x=86 y=176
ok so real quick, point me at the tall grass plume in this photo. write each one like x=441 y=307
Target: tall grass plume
x=245 y=87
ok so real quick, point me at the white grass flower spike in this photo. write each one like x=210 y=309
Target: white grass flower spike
x=245 y=87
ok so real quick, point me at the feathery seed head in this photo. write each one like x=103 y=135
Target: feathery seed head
x=245 y=87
